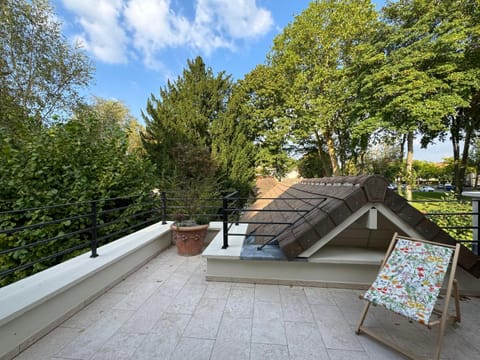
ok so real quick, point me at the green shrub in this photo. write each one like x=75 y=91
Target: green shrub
x=450 y=212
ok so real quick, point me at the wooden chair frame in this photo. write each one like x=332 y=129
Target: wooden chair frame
x=452 y=290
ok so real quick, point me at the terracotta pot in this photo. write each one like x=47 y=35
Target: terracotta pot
x=189 y=239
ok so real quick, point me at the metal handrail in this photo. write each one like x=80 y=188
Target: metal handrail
x=98 y=217
x=88 y=235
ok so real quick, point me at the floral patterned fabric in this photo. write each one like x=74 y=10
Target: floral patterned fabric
x=411 y=278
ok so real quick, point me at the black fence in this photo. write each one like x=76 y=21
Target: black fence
x=232 y=212
x=456 y=218
x=34 y=239
x=458 y=224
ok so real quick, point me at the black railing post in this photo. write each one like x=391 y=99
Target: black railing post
x=94 y=230
x=476 y=225
x=475 y=195
x=164 y=207
x=225 y=222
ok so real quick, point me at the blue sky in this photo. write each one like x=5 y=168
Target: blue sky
x=137 y=45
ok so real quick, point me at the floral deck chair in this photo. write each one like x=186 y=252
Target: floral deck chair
x=409 y=283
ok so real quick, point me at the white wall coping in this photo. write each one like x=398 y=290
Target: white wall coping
x=25 y=294
x=473 y=194
x=235 y=242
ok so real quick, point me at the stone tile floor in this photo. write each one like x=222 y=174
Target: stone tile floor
x=166 y=310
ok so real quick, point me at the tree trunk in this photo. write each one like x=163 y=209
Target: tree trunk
x=402 y=146
x=321 y=155
x=333 y=156
x=455 y=136
x=477 y=171
x=460 y=179
x=409 y=165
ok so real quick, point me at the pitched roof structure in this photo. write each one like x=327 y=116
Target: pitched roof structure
x=312 y=213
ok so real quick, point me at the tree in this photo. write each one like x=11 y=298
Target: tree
x=314 y=53
x=77 y=161
x=232 y=145
x=475 y=160
x=40 y=73
x=262 y=103
x=193 y=110
x=114 y=115
x=420 y=73
x=184 y=113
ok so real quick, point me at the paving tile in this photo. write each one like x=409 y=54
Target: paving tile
x=231 y=349
x=295 y=306
x=171 y=323
x=375 y=349
x=156 y=346
x=268 y=326
x=407 y=335
x=135 y=299
x=125 y=286
x=350 y=304
x=336 y=332
x=166 y=310
x=291 y=290
x=173 y=285
x=49 y=345
x=240 y=302
x=161 y=341
x=347 y=355
x=95 y=310
x=162 y=272
x=217 y=290
x=305 y=341
x=187 y=299
x=197 y=279
x=206 y=319
x=193 y=349
x=269 y=352
x=243 y=284
x=454 y=346
x=86 y=344
x=233 y=339
x=267 y=293
x=121 y=346
x=145 y=318
x=319 y=296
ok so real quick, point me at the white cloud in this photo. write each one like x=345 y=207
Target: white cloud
x=110 y=27
x=239 y=19
x=102 y=33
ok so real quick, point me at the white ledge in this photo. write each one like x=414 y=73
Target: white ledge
x=31 y=307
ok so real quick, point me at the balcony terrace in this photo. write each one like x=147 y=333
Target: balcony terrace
x=139 y=300
x=167 y=310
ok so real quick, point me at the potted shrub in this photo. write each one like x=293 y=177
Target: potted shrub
x=188 y=235
x=194 y=182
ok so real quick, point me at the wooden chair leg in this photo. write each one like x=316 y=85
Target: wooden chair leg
x=458 y=316
x=451 y=287
x=362 y=318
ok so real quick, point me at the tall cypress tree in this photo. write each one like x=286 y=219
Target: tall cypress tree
x=195 y=111
x=233 y=145
x=183 y=114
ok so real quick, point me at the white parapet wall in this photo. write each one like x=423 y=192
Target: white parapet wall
x=33 y=306
x=339 y=267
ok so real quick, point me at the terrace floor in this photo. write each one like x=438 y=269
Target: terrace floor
x=166 y=310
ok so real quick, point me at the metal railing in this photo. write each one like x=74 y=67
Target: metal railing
x=36 y=238
x=458 y=224
x=462 y=233
x=232 y=215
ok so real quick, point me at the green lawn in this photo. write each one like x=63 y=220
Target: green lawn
x=417 y=195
